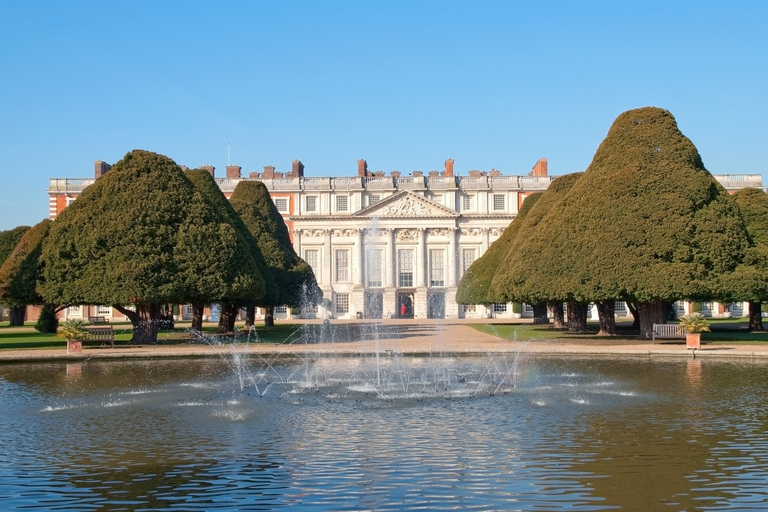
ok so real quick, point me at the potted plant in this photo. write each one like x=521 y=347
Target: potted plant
x=694 y=324
x=73 y=331
x=517 y=310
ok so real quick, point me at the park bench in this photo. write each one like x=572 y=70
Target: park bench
x=668 y=331
x=98 y=320
x=100 y=335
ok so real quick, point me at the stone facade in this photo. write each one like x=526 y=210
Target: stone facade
x=379 y=242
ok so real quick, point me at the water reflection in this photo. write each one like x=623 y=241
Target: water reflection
x=575 y=434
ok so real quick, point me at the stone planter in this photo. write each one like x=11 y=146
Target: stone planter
x=693 y=341
x=516 y=315
x=74 y=347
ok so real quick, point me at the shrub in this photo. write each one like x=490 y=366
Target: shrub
x=694 y=323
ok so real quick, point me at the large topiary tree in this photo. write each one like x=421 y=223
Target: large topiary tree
x=205 y=183
x=294 y=277
x=8 y=241
x=750 y=280
x=507 y=286
x=142 y=235
x=21 y=272
x=474 y=284
x=646 y=223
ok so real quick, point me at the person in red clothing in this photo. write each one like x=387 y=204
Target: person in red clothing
x=402 y=310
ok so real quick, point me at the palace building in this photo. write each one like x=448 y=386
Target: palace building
x=389 y=245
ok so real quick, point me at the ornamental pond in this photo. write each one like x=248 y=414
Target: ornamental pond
x=483 y=432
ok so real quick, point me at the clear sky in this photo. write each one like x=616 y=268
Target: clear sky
x=404 y=85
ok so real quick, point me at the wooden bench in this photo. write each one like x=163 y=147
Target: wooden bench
x=101 y=335
x=98 y=320
x=668 y=332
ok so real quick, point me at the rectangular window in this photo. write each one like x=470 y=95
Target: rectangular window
x=467 y=202
x=373 y=199
x=188 y=310
x=342 y=304
x=312 y=257
x=281 y=203
x=342 y=203
x=469 y=308
x=342 y=265
x=405 y=268
x=619 y=307
x=467 y=258
x=374 y=268
x=281 y=310
x=527 y=308
x=436 y=267
x=311 y=203
x=104 y=310
x=499 y=308
x=75 y=311
x=498 y=202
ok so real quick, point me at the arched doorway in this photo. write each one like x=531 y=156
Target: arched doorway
x=404 y=305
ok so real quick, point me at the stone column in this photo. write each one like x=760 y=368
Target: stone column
x=297 y=242
x=389 y=259
x=327 y=258
x=421 y=259
x=453 y=269
x=484 y=241
x=358 y=256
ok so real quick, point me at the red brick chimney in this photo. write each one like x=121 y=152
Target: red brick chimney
x=297 y=169
x=211 y=169
x=540 y=169
x=100 y=168
x=233 y=171
x=362 y=168
x=269 y=172
x=448 y=167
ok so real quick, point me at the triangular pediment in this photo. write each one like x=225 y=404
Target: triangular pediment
x=406 y=204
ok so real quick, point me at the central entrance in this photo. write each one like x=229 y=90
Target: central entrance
x=404 y=305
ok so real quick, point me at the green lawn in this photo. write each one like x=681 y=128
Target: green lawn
x=726 y=330
x=28 y=338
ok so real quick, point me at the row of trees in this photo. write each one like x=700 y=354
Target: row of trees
x=148 y=234
x=646 y=223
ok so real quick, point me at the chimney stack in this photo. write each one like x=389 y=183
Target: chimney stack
x=269 y=172
x=297 y=169
x=362 y=168
x=209 y=168
x=449 y=167
x=100 y=168
x=233 y=171
x=540 y=169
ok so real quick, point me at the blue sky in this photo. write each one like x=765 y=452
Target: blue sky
x=404 y=85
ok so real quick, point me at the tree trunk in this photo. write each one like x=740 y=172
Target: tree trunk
x=269 y=316
x=227 y=317
x=250 y=316
x=197 y=316
x=556 y=309
x=755 y=316
x=654 y=312
x=605 y=314
x=144 y=321
x=540 y=313
x=635 y=316
x=577 y=316
x=17 y=316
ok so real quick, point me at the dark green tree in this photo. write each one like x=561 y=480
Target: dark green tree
x=750 y=280
x=508 y=287
x=8 y=240
x=142 y=235
x=294 y=278
x=646 y=223
x=205 y=183
x=21 y=272
x=476 y=281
